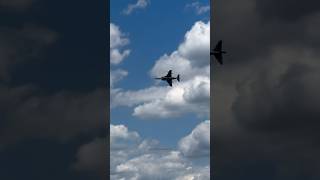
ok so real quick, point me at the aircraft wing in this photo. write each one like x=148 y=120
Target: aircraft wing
x=169 y=73
x=219 y=57
x=218 y=46
x=169 y=81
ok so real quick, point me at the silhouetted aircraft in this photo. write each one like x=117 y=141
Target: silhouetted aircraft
x=217 y=52
x=169 y=77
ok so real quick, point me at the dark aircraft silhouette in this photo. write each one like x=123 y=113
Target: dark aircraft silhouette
x=169 y=78
x=217 y=52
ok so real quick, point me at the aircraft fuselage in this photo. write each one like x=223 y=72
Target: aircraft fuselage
x=169 y=77
x=164 y=78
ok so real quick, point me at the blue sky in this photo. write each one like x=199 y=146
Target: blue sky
x=153 y=31
x=150 y=32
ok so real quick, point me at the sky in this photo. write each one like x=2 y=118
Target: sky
x=158 y=131
x=266 y=96
x=53 y=97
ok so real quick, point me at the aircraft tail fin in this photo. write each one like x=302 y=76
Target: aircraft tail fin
x=178 y=77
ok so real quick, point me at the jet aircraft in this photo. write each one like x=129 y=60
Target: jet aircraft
x=169 y=78
x=217 y=52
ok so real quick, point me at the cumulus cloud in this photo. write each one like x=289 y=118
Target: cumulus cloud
x=191 y=95
x=140 y=4
x=197 y=143
x=265 y=100
x=143 y=159
x=192 y=56
x=162 y=102
x=117 y=75
x=285 y=85
x=117 y=42
x=149 y=166
x=120 y=136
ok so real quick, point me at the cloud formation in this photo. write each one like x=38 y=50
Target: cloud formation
x=117 y=75
x=144 y=159
x=140 y=4
x=40 y=104
x=30 y=113
x=188 y=97
x=192 y=55
x=265 y=96
x=197 y=143
x=131 y=154
x=191 y=95
x=117 y=42
x=199 y=9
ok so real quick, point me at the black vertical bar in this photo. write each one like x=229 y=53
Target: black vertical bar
x=107 y=22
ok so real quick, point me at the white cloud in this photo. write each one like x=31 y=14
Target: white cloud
x=192 y=61
x=202 y=173
x=191 y=96
x=116 y=56
x=117 y=41
x=162 y=102
x=143 y=160
x=121 y=132
x=116 y=37
x=196 y=46
x=117 y=75
x=154 y=166
x=148 y=144
x=192 y=57
x=140 y=4
x=197 y=143
x=131 y=98
x=200 y=9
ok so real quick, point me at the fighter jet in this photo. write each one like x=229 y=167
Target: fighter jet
x=169 y=78
x=217 y=52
